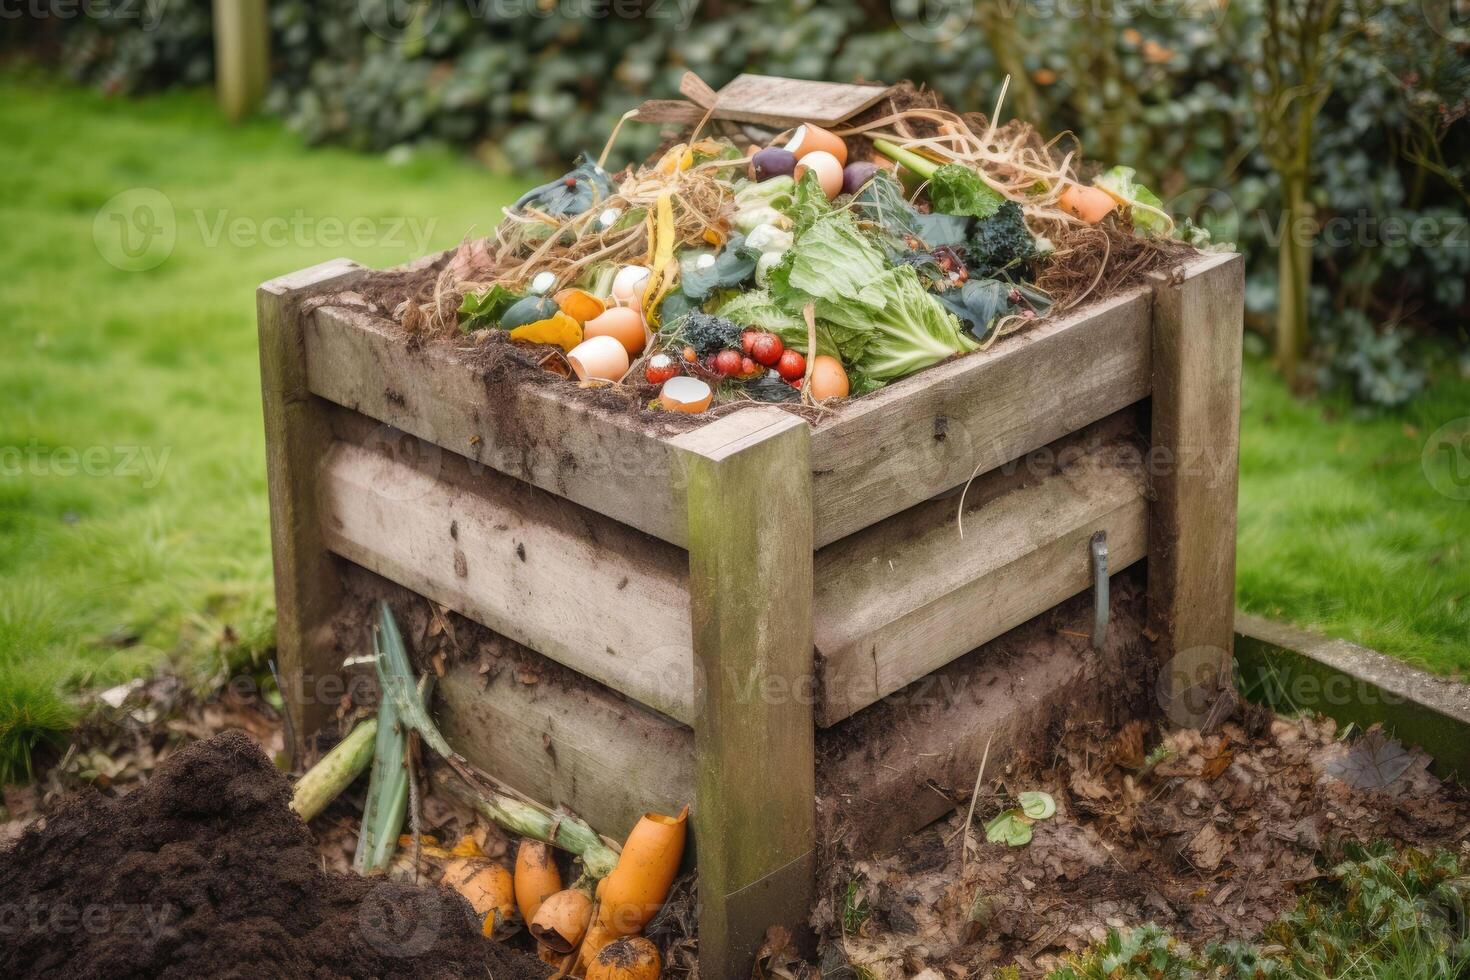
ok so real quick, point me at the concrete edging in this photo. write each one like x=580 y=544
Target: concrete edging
x=1352 y=683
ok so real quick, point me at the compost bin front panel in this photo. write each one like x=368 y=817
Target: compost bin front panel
x=876 y=456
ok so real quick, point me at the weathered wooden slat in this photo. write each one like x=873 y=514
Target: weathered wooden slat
x=905 y=597
x=908 y=760
x=295 y=437
x=597 y=458
x=573 y=745
x=782 y=102
x=580 y=588
x=934 y=430
x=750 y=600
x=1197 y=331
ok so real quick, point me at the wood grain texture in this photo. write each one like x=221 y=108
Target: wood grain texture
x=934 y=430
x=782 y=102
x=295 y=437
x=910 y=759
x=574 y=746
x=580 y=588
x=599 y=459
x=750 y=580
x=903 y=598
x=1197 y=327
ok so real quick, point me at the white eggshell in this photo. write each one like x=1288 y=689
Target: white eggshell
x=599 y=359
x=685 y=394
x=629 y=284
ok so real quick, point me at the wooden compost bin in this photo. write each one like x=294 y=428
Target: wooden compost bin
x=726 y=592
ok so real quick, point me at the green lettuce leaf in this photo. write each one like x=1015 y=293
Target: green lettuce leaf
x=480 y=310
x=882 y=320
x=956 y=189
x=808 y=202
x=1146 y=209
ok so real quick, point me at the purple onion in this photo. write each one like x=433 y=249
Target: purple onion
x=855 y=175
x=772 y=162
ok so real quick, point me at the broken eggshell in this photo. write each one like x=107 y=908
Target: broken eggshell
x=685 y=394
x=810 y=139
x=599 y=359
x=629 y=284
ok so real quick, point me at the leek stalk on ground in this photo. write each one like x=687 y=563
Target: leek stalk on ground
x=336 y=770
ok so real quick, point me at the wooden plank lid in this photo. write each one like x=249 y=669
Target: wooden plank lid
x=767 y=100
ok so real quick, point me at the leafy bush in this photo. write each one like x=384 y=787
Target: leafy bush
x=1164 y=88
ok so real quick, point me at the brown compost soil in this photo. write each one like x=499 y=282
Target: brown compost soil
x=205 y=872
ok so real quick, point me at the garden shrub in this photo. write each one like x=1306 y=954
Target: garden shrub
x=1163 y=88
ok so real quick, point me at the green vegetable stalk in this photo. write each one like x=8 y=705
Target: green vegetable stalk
x=922 y=166
x=406 y=707
x=336 y=770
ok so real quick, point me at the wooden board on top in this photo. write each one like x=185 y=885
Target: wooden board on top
x=783 y=102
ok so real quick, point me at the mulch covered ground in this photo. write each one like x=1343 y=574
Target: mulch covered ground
x=1210 y=836
x=204 y=871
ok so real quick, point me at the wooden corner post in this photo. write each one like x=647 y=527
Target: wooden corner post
x=1194 y=466
x=749 y=502
x=241 y=55
x=296 y=440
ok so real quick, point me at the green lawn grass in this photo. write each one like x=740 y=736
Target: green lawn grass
x=1342 y=529
x=133 y=519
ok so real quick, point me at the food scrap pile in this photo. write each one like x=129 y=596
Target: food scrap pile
x=827 y=262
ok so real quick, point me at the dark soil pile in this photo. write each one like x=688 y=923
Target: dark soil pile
x=205 y=872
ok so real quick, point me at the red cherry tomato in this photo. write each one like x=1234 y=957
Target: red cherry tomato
x=791 y=366
x=767 y=349
x=727 y=362
x=747 y=340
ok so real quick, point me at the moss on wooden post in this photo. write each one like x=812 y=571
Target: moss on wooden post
x=1194 y=467
x=750 y=580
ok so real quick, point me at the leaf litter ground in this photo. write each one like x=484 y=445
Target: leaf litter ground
x=1211 y=836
